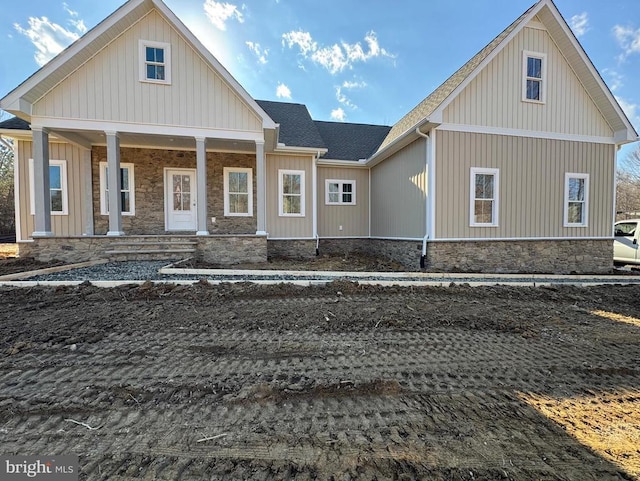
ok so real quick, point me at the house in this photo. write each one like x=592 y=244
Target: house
x=508 y=166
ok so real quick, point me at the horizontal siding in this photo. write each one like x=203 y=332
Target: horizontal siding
x=532 y=176
x=399 y=193
x=494 y=97
x=61 y=225
x=289 y=227
x=107 y=87
x=354 y=219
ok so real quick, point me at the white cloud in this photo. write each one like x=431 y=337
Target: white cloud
x=631 y=110
x=628 y=39
x=337 y=57
x=73 y=13
x=354 y=85
x=615 y=79
x=338 y=114
x=580 y=24
x=219 y=12
x=79 y=26
x=258 y=51
x=49 y=38
x=282 y=91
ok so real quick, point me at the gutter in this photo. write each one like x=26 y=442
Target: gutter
x=423 y=257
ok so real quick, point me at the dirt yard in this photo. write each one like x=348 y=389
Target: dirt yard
x=342 y=382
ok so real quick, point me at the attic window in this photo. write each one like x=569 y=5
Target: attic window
x=155 y=62
x=534 y=77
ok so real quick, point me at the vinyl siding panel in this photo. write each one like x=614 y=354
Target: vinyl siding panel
x=494 y=97
x=61 y=225
x=354 y=219
x=289 y=227
x=531 y=176
x=399 y=188
x=107 y=87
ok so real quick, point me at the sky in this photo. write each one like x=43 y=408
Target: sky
x=346 y=60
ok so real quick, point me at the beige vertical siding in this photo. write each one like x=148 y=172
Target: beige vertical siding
x=107 y=87
x=494 y=97
x=289 y=227
x=532 y=177
x=354 y=219
x=61 y=225
x=399 y=193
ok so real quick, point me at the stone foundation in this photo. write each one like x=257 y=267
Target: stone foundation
x=229 y=250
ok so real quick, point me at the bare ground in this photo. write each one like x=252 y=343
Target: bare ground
x=343 y=382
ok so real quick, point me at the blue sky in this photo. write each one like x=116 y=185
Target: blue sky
x=347 y=60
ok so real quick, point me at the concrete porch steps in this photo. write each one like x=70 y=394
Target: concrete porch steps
x=151 y=248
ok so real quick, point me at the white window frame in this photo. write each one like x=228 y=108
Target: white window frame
x=341 y=184
x=249 y=172
x=104 y=193
x=472 y=196
x=526 y=54
x=63 y=184
x=585 y=202
x=281 y=174
x=142 y=53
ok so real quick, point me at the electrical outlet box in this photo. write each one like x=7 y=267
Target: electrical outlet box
x=213 y=220
x=339 y=227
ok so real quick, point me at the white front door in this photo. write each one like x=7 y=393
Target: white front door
x=180 y=199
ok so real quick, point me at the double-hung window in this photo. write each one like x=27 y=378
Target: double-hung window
x=155 y=62
x=534 y=77
x=291 y=193
x=238 y=192
x=576 y=200
x=127 y=190
x=339 y=192
x=58 y=192
x=484 y=197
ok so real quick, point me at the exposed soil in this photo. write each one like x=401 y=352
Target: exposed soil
x=341 y=382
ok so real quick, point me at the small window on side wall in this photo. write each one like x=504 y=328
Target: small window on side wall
x=155 y=62
x=534 y=77
x=57 y=187
x=238 y=192
x=576 y=200
x=291 y=201
x=127 y=191
x=340 y=192
x=484 y=197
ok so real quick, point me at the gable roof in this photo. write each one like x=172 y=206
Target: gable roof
x=20 y=100
x=347 y=141
x=15 y=123
x=296 y=126
x=568 y=44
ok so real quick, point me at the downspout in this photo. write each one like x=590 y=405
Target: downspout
x=423 y=257
x=314 y=180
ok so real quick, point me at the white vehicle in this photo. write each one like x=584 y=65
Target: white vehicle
x=625 y=244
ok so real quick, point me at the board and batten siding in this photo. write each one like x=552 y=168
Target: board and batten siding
x=531 y=185
x=279 y=227
x=107 y=87
x=354 y=219
x=494 y=97
x=399 y=194
x=61 y=225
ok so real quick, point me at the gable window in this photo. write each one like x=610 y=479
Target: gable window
x=340 y=192
x=238 y=192
x=57 y=187
x=291 y=193
x=484 y=197
x=534 y=81
x=127 y=192
x=576 y=200
x=155 y=62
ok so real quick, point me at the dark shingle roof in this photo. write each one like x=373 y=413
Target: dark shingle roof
x=296 y=126
x=347 y=141
x=15 y=123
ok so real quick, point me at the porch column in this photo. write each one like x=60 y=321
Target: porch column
x=115 y=184
x=87 y=192
x=41 y=184
x=201 y=176
x=261 y=190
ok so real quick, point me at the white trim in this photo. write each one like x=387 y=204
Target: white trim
x=431 y=180
x=142 y=61
x=526 y=55
x=495 y=199
x=314 y=196
x=292 y=238
x=340 y=192
x=167 y=199
x=281 y=173
x=245 y=170
x=502 y=239
x=412 y=239
x=483 y=129
x=585 y=202
x=132 y=189
x=16 y=191
x=349 y=164
x=64 y=188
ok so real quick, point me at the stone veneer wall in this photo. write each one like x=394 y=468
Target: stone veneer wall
x=149 y=165
x=231 y=250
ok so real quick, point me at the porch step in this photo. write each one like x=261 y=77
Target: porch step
x=152 y=248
